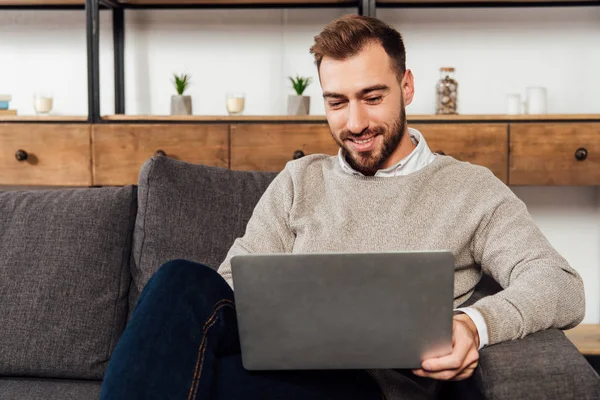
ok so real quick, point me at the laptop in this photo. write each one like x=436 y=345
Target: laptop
x=343 y=310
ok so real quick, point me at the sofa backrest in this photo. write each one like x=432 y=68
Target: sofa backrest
x=64 y=279
x=189 y=211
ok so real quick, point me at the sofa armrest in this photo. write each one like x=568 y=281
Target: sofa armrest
x=544 y=365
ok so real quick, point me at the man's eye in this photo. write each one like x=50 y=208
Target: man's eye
x=334 y=105
x=373 y=100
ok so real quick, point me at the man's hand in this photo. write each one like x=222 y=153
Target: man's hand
x=461 y=363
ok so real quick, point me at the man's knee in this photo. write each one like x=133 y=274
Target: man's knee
x=181 y=271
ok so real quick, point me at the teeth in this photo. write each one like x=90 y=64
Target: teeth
x=363 y=141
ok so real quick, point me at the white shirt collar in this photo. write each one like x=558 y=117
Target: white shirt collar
x=417 y=159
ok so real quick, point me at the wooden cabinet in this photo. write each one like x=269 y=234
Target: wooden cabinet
x=555 y=154
x=45 y=155
x=268 y=147
x=120 y=150
x=481 y=144
x=80 y=154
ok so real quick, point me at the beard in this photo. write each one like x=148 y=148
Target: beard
x=369 y=162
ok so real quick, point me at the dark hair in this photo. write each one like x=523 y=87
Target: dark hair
x=346 y=37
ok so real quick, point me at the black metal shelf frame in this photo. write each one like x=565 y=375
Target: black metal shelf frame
x=92 y=10
x=365 y=7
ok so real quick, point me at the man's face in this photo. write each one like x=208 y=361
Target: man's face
x=364 y=103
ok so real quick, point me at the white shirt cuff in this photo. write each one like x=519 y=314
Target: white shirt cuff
x=479 y=323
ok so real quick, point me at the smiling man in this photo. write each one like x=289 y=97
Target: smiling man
x=384 y=191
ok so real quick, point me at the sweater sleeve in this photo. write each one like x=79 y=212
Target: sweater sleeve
x=541 y=290
x=268 y=230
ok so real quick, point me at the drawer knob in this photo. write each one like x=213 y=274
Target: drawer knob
x=160 y=153
x=298 y=154
x=21 y=155
x=581 y=154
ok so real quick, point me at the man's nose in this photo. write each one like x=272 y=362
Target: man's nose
x=357 y=119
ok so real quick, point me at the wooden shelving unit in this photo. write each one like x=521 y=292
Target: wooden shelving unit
x=481 y=3
x=26 y=3
x=41 y=119
x=416 y=118
x=118 y=7
x=586 y=337
x=254 y=3
x=322 y=118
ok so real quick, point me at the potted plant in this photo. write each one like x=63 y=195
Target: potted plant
x=297 y=103
x=180 y=104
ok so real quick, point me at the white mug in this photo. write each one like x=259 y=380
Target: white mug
x=536 y=100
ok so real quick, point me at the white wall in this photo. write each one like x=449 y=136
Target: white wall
x=570 y=219
x=495 y=51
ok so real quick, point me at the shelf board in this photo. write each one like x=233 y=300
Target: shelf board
x=31 y=3
x=586 y=338
x=479 y=2
x=420 y=118
x=322 y=118
x=503 y=117
x=167 y=3
x=213 y=118
x=47 y=118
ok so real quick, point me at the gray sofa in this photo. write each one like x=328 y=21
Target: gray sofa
x=73 y=262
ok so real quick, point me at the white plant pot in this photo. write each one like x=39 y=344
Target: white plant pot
x=298 y=105
x=181 y=105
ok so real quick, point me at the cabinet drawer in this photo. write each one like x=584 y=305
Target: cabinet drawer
x=481 y=144
x=555 y=154
x=51 y=155
x=120 y=150
x=268 y=147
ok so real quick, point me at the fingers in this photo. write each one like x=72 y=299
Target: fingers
x=463 y=343
x=465 y=374
x=458 y=365
x=453 y=375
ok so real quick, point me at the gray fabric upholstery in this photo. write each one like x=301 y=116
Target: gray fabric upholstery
x=544 y=365
x=190 y=211
x=48 y=389
x=64 y=279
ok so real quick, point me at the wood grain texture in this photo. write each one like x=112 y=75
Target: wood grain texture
x=416 y=118
x=473 y=1
x=586 y=338
x=41 y=2
x=120 y=150
x=58 y=155
x=544 y=154
x=238 y=2
x=480 y=144
x=268 y=147
x=215 y=118
x=41 y=119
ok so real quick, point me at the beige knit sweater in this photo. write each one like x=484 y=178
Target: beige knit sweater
x=313 y=206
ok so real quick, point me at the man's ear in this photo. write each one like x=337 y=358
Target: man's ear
x=408 y=87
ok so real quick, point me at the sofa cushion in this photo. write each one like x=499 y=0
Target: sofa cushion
x=190 y=211
x=543 y=365
x=64 y=279
x=48 y=389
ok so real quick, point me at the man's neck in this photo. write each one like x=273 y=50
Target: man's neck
x=405 y=147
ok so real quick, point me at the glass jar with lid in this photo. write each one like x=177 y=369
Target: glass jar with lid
x=446 y=92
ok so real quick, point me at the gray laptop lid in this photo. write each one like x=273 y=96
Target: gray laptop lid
x=343 y=311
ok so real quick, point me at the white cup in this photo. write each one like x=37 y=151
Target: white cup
x=536 y=100
x=513 y=104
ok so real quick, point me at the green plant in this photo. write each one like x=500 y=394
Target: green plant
x=181 y=83
x=300 y=83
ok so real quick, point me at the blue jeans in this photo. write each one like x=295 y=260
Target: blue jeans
x=182 y=343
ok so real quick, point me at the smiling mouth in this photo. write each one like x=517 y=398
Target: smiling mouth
x=362 y=140
x=362 y=144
